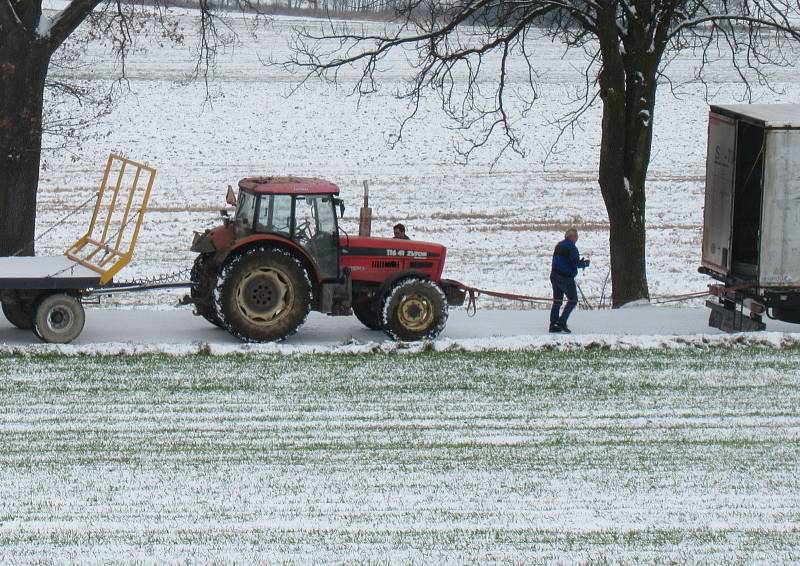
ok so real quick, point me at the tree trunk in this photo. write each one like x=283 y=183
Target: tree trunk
x=624 y=157
x=627 y=237
x=23 y=70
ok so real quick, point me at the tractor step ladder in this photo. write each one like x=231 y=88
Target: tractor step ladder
x=109 y=242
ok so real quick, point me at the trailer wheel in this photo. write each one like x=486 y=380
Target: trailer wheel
x=204 y=280
x=20 y=314
x=414 y=309
x=263 y=295
x=786 y=315
x=367 y=313
x=58 y=318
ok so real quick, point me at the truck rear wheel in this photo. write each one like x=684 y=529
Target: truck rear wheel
x=786 y=315
x=367 y=313
x=414 y=309
x=58 y=318
x=20 y=314
x=263 y=295
x=204 y=280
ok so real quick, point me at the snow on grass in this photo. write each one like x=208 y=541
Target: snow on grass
x=518 y=343
x=573 y=455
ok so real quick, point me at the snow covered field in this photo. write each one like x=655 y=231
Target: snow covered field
x=499 y=224
x=566 y=456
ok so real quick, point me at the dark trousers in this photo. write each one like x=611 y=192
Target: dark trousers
x=562 y=285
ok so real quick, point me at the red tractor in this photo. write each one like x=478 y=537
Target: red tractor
x=283 y=254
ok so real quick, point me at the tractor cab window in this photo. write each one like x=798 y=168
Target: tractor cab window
x=275 y=214
x=315 y=230
x=245 y=212
x=326 y=215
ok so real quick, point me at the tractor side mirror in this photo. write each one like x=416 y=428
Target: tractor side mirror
x=340 y=203
x=230 y=196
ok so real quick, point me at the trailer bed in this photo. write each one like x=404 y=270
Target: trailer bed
x=45 y=272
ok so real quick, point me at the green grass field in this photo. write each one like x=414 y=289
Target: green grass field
x=589 y=455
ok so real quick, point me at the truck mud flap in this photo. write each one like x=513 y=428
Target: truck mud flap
x=729 y=320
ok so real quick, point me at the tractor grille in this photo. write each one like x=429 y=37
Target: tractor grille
x=421 y=264
x=385 y=264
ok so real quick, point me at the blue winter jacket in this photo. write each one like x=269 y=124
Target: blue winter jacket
x=566 y=259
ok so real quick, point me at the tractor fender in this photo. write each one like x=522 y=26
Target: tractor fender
x=248 y=242
x=213 y=239
x=390 y=282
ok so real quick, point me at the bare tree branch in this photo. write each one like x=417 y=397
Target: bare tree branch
x=68 y=21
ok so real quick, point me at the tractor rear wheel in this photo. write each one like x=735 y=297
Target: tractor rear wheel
x=262 y=295
x=20 y=314
x=58 y=318
x=367 y=313
x=414 y=309
x=204 y=279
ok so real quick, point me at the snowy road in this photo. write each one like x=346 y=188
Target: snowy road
x=487 y=328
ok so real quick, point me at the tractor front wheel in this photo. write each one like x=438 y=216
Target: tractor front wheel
x=414 y=309
x=20 y=314
x=262 y=295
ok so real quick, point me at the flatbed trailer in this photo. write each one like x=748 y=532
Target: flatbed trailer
x=44 y=293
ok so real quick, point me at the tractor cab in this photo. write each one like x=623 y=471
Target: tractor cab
x=302 y=210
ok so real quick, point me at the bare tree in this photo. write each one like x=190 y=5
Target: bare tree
x=30 y=45
x=455 y=44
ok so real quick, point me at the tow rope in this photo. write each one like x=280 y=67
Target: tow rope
x=475 y=293
x=677 y=298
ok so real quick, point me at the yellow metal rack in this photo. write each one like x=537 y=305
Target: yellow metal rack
x=110 y=240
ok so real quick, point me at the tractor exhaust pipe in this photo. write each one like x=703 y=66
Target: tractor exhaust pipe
x=365 y=216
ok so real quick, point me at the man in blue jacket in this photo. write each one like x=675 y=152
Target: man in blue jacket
x=566 y=261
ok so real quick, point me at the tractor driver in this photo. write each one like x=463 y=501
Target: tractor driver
x=400 y=232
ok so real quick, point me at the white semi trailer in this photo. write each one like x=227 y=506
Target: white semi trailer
x=751 y=223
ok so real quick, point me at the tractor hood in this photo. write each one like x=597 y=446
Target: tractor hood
x=391 y=247
x=368 y=254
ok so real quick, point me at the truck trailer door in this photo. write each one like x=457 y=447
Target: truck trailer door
x=780 y=237
x=718 y=212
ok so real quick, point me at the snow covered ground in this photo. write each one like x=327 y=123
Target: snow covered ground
x=499 y=224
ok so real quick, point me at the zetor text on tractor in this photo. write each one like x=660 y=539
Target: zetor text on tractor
x=283 y=254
